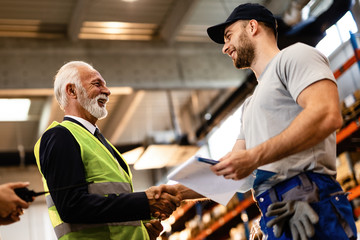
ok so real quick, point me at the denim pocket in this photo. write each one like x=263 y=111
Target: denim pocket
x=335 y=218
x=345 y=214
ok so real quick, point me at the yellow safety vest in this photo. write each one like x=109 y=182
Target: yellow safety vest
x=107 y=176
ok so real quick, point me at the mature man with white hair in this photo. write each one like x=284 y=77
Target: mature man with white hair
x=69 y=73
x=97 y=200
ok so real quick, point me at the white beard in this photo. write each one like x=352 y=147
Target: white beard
x=92 y=106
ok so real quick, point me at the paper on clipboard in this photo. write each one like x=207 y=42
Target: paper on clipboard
x=198 y=177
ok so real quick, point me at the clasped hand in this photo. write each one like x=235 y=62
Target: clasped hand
x=163 y=200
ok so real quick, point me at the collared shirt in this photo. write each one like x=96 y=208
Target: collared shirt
x=89 y=126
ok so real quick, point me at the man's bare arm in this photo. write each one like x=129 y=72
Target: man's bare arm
x=320 y=117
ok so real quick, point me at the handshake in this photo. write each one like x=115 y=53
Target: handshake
x=164 y=199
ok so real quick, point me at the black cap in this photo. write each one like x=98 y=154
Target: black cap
x=245 y=11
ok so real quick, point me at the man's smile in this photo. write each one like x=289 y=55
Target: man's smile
x=102 y=102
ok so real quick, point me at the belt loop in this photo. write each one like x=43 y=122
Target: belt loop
x=305 y=181
x=273 y=195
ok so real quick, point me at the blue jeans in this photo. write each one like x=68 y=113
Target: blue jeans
x=325 y=196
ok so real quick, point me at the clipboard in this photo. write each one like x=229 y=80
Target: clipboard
x=197 y=176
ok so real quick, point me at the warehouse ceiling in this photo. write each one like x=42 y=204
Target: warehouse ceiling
x=167 y=78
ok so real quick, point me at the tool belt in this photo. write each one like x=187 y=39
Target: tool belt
x=325 y=196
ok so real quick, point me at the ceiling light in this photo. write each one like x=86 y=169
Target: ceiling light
x=104 y=24
x=166 y=155
x=21 y=92
x=114 y=24
x=15 y=109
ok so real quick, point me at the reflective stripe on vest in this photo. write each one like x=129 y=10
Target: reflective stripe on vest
x=110 y=188
x=100 y=188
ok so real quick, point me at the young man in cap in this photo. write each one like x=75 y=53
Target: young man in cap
x=287 y=135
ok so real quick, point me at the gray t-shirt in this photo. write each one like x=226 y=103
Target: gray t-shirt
x=272 y=108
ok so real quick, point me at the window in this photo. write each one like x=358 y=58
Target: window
x=337 y=34
x=224 y=137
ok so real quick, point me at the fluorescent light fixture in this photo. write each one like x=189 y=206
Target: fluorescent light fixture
x=117 y=30
x=103 y=24
x=14 y=109
x=159 y=156
x=8 y=93
x=133 y=155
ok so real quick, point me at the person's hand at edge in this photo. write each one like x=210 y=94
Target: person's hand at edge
x=9 y=201
x=12 y=218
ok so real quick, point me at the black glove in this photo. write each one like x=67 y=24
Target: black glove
x=298 y=214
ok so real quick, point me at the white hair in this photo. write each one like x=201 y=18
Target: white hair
x=68 y=73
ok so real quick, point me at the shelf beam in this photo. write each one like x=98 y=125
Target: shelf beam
x=346 y=65
x=348 y=130
x=226 y=218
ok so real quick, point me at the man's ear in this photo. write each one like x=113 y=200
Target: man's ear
x=71 y=90
x=253 y=26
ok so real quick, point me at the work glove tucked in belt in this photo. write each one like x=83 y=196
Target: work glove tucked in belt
x=298 y=214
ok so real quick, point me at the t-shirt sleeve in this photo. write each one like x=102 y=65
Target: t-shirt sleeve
x=303 y=66
x=61 y=165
